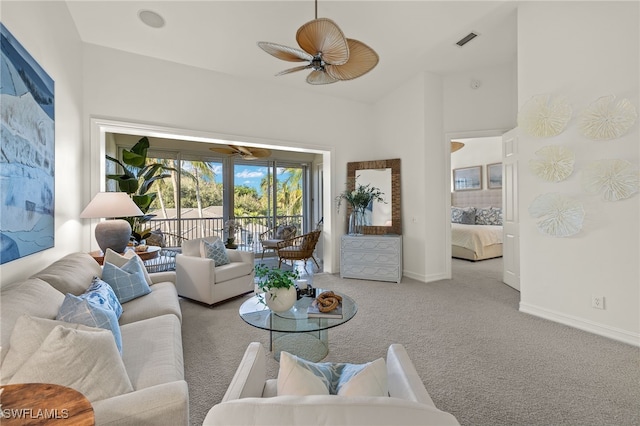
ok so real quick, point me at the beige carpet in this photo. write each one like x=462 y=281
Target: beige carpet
x=479 y=358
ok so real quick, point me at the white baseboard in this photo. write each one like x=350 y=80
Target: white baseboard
x=424 y=278
x=583 y=324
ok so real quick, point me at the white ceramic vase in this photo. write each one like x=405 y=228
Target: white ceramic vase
x=280 y=299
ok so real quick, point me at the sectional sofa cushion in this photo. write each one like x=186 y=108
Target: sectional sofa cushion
x=62 y=359
x=163 y=299
x=28 y=334
x=71 y=274
x=128 y=281
x=298 y=376
x=153 y=351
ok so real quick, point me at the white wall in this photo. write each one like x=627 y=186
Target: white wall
x=134 y=88
x=47 y=32
x=491 y=106
x=587 y=50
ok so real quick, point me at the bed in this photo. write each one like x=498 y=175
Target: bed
x=476 y=225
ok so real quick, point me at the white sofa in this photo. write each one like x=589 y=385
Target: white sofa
x=151 y=339
x=251 y=399
x=198 y=278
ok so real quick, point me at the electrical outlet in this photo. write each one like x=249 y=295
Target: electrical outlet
x=597 y=302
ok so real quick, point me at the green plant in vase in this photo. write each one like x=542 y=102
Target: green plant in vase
x=279 y=287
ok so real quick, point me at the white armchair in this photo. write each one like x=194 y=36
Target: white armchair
x=251 y=399
x=198 y=278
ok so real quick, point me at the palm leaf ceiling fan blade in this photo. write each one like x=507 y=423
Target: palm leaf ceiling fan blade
x=290 y=70
x=320 y=77
x=285 y=53
x=323 y=36
x=245 y=152
x=362 y=59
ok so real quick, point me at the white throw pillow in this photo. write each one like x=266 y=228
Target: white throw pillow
x=301 y=377
x=293 y=379
x=88 y=362
x=120 y=260
x=27 y=336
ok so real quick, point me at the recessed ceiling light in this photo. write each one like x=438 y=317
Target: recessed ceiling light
x=151 y=18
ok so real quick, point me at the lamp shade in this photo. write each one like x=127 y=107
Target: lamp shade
x=111 y=204
x=455 y=145
x=113 y=234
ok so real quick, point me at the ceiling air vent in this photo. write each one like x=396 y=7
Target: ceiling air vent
x=466 y=39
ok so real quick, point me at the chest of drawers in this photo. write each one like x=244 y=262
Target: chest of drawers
x=371 y=257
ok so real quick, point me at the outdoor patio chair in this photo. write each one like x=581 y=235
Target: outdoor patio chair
x=298 y=248
x=270 y=238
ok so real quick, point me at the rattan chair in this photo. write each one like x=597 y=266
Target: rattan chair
x=270 y=238
x=298 y=248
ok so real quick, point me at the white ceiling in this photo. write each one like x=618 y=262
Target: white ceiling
x=409 y=36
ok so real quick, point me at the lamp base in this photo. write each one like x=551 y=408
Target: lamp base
x=113 y=234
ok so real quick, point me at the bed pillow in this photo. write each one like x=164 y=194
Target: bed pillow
x=87 y=361
x=463 y=215
x=128 y=282
x=489 y=216
x=216 y=251
x=300 y=377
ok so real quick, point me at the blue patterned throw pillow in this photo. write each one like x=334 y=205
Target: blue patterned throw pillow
x=216 y=251
x=81 y=310
x=101 y=294
x=127 y=282
x=298 y=376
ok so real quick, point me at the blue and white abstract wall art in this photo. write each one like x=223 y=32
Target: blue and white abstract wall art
x=27 y=148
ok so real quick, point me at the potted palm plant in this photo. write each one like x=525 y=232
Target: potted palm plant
x=279 y=287
x=137 y=179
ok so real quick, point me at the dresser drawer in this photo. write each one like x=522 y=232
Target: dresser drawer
x=371 y=257
x=373 y=244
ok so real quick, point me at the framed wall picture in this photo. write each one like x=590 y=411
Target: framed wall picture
x=28 y=147
x=494 y=176
x=467 y=178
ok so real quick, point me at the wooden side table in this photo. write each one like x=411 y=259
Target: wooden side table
x=43 y=403
x=151 y=253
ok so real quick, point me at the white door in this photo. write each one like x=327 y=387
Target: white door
x=511 y=217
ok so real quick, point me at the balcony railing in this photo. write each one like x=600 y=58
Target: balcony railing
x=247 y=237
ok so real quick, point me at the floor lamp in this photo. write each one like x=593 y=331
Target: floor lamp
x=116 y=233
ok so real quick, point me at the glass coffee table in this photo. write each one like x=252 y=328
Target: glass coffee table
x=292 y=331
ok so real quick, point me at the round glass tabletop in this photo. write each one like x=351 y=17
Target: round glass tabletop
x=295 y=320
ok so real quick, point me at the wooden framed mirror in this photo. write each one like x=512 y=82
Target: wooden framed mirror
x=383 y=174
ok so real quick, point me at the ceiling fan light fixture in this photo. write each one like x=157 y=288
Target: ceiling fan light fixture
x=330 y=55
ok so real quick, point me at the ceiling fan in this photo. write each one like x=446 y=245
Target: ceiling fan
x=330 y=55
x=247 y=153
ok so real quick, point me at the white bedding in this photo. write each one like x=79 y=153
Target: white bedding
x=475 y=237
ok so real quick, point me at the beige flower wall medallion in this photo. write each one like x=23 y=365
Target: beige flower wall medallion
x=559 y=215
x=615 y=179
x=555 y=164
x=606 y=119
x=544 y=116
